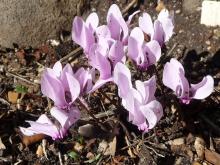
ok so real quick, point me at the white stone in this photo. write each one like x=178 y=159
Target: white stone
x=210 y=13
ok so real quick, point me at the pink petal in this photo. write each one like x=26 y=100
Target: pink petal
x=138 y=35
x=103 y=31
x=131 y=17
x=52 y=88
x=203 y=89
x=153 y=111
x=158 y=34
x=93 y=21
x=184 y=84
x=133 y=101
x=74 y=86
x=146 y=89
x=153 y=51
x=116 y=23
x=42 y=125
x=135 y=43
x=100 y=62
x=81 y=76
x=57 y=68
x=66 y=69
x=122 y=77
x=85 y=78
x=146 y=24
x=114 y=27
x=116 y=52
x=100 y=83
x=66 y=119
x=171 y=77
x=166 y=20
x=82 y=34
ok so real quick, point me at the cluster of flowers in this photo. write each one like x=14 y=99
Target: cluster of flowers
x=107 y=48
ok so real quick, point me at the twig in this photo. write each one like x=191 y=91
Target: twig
x=83 y=103
x=107 y=97
x=216 y=90
x=211 y=143
x=19 y=77
x=3 y=101
x=172 y=49
x=132 y=3
x=44 y=143
x=74 y=54
x=5 y=159
x=60 y=158
x=100 y=115
x=158 y=154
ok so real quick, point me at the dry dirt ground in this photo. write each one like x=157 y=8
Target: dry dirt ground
x=185 y=135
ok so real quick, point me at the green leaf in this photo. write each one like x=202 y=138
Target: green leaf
x=80 y=139
x=73 y=155
x=94 y=159
x=21 y=89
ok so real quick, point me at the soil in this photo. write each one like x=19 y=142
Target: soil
x=187 y=134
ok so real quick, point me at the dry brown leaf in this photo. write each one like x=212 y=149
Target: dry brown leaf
x=212 y=157
x=160 y=6
x=199 y=146
x=2 y=146
x=196 y=163
x=102 y=146
x=78 y=147
x=21 y=56
x=111 y=147
x=13 y=97
x=27 y=140
x=130 y=152
x=39 y=151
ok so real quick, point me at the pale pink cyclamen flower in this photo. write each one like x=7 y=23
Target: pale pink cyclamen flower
x=116 y=24
x=63 y=87
x=174 y=78
x=144 y=110
x=104 y=57
x=162 y=28
x=144 y=54
x=43 y=125
x=87 y=33
x=83 y=32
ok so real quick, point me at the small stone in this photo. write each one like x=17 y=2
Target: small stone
x=209 y=48
x=216 y=33
x=93 y=9
x=173 y=109
x=178 y=141
x=208 y=42
x=181 y=31
x=90 y=155
x=178 y=11
x=1 y=68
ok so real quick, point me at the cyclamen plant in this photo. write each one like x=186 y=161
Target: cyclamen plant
x=107 y=48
